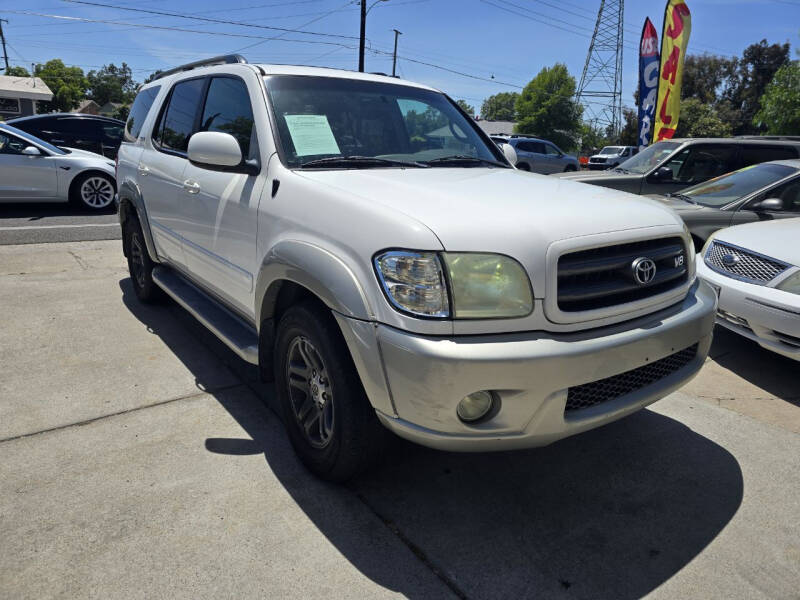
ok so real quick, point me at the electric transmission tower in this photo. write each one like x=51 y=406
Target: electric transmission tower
x=600 y=90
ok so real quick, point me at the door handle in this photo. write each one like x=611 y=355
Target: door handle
x=191 y=186
x=144 y=170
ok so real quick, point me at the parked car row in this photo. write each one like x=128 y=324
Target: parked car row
x=538 y=155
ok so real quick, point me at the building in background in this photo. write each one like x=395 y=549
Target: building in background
x=18 y=95
x=497 y=127
x=88 y=107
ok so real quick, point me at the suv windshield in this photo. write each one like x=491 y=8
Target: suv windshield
x=649 y=158
x=361 y=121
x=727 y=188
x=611 y=150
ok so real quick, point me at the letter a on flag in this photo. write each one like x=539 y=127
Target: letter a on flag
x=674 y=40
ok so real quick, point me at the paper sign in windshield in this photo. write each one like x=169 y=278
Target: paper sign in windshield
x=311 y=134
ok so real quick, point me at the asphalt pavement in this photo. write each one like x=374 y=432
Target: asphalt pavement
x=38 y=223
x=142 y=458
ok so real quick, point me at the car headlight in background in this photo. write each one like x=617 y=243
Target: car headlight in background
x=487 y=286
x=414 y=282
x=791 y=284
x=481 y=286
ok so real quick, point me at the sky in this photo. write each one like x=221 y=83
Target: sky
x=494 y=45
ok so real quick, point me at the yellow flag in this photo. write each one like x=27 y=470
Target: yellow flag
x=674 y=40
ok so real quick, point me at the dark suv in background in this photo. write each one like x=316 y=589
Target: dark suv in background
x=94 y=133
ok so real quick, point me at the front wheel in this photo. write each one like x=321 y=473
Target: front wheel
x=330 y=422
x=94 y=191
x=569 y=168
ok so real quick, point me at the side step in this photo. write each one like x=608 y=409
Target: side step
x=232 y=331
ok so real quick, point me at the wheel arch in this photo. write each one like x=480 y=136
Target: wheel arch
x=131 y=204
x=80 y=176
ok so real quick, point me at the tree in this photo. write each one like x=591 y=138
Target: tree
x=705 y=75
x=592 y=138
x=68 y=85
x=700 y=120
x=112 y=84
x=470 y=110
x=499 y=107
x=547 y=107
x=780 y=105
x=17 y=72
x=629 y=135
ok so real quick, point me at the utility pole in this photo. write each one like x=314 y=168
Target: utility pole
x=394 y=56
x=3 y=38
x=363 y=36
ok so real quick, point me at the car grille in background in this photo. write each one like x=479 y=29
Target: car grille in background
x=610 y=388
x=730 y=260
x=602 y=277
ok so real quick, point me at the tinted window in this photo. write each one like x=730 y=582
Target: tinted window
x=228 y=110
x=537 y=147
x=112 y=131
x=752 y=155
x=141 y=106
x=552 y=150
x=790 y=194
x=699 y=163
x=10 y=145
x=724 y=190
x=78 y=127
x=28 y=137
x=178 y=119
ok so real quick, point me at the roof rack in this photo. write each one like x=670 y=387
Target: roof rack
x=789 y=138
x=225 y=59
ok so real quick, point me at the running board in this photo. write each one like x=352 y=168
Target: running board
x=232 y=331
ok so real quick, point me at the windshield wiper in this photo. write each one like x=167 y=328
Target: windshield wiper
x=462 y=159
x=360 y=162
x=621 y=170
x=683 y=197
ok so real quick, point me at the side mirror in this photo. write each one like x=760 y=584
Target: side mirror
x=767 y=205
x=510 y=153
x=662 y=174
x=31 y=151
x=219 y=152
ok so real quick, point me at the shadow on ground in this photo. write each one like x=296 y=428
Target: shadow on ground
x=771 y=372
x=34 y=211
x=612 y=513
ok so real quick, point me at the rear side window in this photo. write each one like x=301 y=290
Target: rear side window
x=752 y=155
x=141 y=106
x=78 y=127
x=537 y=147
x=177 y=121
x=228 y=110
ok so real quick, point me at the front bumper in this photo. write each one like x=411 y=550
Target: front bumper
x=768 y=316
x=598 y=166
x=531 y=373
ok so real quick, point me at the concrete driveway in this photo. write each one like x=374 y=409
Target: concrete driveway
x=141 y=458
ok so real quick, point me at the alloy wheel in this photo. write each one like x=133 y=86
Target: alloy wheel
x=137 y=259
x=97 y=192
x=310 y=392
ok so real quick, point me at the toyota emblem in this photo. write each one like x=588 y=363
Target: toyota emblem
x=644 y=270
x=730 y=259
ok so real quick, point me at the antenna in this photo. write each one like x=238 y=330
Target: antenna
x=600 y=89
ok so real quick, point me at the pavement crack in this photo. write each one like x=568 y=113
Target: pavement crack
x=122 y=412
x=414 y=548
x=82 y=263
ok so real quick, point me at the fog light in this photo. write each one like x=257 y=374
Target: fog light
x=475 y=406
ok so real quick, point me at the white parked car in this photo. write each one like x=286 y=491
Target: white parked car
x=32 y=170
x=755 y=269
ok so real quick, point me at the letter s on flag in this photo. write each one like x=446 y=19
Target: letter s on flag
x=674 y=41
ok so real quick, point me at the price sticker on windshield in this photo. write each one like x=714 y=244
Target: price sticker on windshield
x=311 y=135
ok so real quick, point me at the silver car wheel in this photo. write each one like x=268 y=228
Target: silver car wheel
x=97 y=192
x=310 y=392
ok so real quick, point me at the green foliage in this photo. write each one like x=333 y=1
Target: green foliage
x=500 y=107
x=780 y=104
x=68 y=85
x=592 y=138
x=112 y=84
x=705 y=75
x=122 y=112
x=470 y=110
x=17 y=72
x=700 y=120
x=629 y=135
x=547 y=107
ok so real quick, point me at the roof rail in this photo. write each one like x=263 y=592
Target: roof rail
x=225 y=59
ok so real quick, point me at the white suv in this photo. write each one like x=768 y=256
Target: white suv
x=361 y=240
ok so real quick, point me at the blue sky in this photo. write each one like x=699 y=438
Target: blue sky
x=470 y=36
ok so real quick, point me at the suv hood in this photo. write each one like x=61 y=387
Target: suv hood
x=777 y=239
x=498 y=210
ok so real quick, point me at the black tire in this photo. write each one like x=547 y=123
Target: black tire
x=140 y=266
x=523 y=167
x=103 y=197
x=569 y=168
x=354 y=440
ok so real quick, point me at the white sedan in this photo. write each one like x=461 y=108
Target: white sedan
x=32 y=170
x=755 y=269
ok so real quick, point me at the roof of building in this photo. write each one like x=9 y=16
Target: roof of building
x=31 y=88
x=85 y=103
x=496 y=127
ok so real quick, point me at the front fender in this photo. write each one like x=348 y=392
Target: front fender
x=316 y=269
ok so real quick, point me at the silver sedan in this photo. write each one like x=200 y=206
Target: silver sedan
x=32 y=170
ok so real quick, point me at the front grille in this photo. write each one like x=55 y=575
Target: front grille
x=787 y=339
x=744 y=264
x=602 y=277
x=597 y=160
x=610 y=388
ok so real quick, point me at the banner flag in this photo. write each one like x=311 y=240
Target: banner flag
x=674 y=40
x=648 y=82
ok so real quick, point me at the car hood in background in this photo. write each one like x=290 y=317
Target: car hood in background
x=777 y=238
x=498 y=210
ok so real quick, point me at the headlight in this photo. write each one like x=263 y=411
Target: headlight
x=414 y=282
x=791 y=284
x=487 y=286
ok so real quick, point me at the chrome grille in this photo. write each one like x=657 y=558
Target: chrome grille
x=743 y=264
x=610 y=388
x=602 y=277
